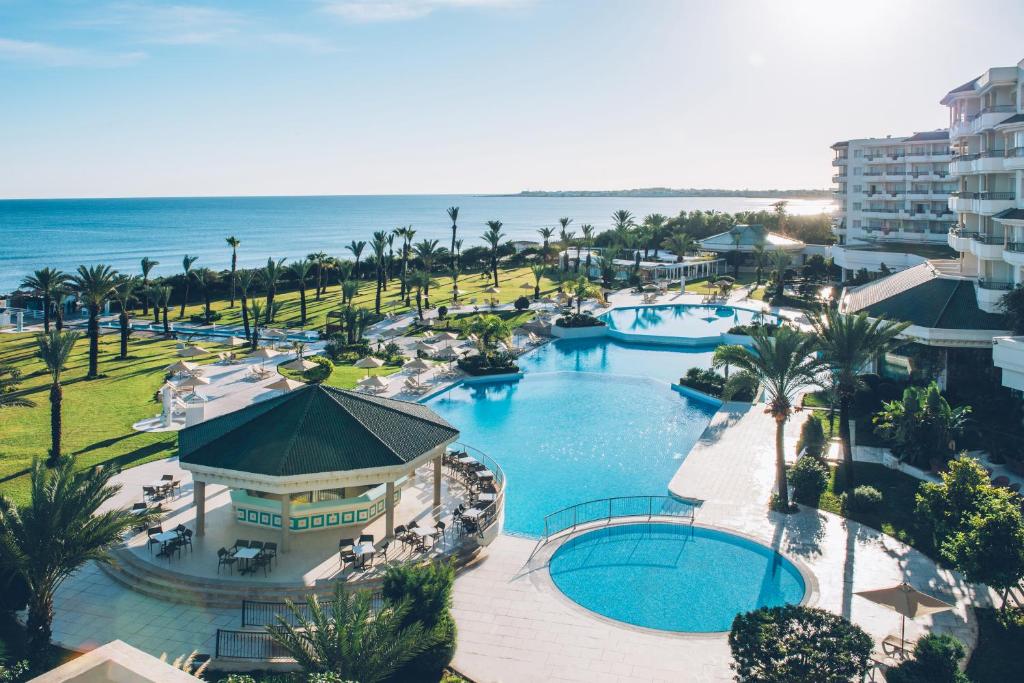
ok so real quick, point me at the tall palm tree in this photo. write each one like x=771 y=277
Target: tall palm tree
x=123 y=293
x=406 y=233
x=565 y=237
x=318 y=259
x=783 y=364
x=389 y=260
x=458 y=253
x=148 y=265
x=233 y=242
x=588 y=241
x=680 y=244
x=357 y=250
x=781 y=217
x=152 y=295
x=493 y=238
x=349 y=638
x=207 y=279
x=654 y=224
x=546 y=234
x=453 y=214
x=55 y=350
x=847 y=344
x=455 y=273
x=622 y=221
x=378 y=245
x=186 y=267
x=246 y=281
x=47 y=283
x=164 y=300
x=420 y=279
x=760 y=260
x=300 y=269
x=59 y=531
x=538 y=271
x=427 y=251
x=271 y=278
x=349 y=290
x=255 y=312
x=92 y=285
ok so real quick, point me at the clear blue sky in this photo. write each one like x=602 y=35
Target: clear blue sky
x=138 y=97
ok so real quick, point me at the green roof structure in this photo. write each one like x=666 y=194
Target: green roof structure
x=315 y=429
x=745 y=237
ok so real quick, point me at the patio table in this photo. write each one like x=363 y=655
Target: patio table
x=424 y=533
x=473 y=513
x=362 y=551
x=487 y=497
x=485 y=474
x=246 y=554
x=466 y=459
x=166 y=536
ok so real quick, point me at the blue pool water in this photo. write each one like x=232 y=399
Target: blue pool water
x=590 y=419
x=681 y=320
x=673 y=577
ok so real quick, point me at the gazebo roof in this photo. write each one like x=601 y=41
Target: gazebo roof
x=749 y=237
x=312 y=430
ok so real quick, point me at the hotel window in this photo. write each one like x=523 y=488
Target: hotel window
x=856 y=223
x=856 y=206
x=857 y=153
x=856 y=188
x=330 y=494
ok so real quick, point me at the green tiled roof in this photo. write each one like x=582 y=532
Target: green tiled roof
x=750 y=236
x=920 y=296
x=315 y=429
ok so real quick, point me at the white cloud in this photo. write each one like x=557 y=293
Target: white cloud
x=301 y=41
x=168 y=24
x=46 y=54
x=402 y=10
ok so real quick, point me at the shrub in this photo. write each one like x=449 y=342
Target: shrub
x=428 y=591
x=864 y=499
x=741 y=386
x=793 y=643
x=703 y=380
x=579 y=320
x=812 y=438
x=809 y=477
x=495 y=364
x=936 y=660
x=767 y=329
x=522 y=303
x=321 y=372
x=442 y=312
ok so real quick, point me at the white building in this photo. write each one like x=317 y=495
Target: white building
x=987 y=137
x=893 y=195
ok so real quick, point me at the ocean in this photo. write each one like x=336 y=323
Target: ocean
x=65 y=233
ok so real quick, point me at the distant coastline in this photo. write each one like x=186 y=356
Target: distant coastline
x=676 y=192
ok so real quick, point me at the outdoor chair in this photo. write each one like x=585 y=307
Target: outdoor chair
x=239 y=543
x=345 y=554
x=261 y=561
x=270 y=550
x=400 y=532
x=256 y=544
x=149 y=492
x=366 y=538
x=152 y=531
x=186 y=539
x=383 y=549
x=439 y=530
x=224 y=559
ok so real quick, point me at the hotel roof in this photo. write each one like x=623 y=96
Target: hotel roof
x=749 y=237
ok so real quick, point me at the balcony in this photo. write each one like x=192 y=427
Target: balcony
x=989 y=247
x=1013 y=253
x=840 y=178
x=986 y=203
x=990 y=161
x=1008 y=354
x=839 y=161
x=983 y=120
x=989 y=293
x=960 y=239
x=930 y=156
x=883 y=213
x=1014 y=159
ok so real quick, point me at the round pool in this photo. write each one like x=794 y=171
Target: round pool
x=673 y=577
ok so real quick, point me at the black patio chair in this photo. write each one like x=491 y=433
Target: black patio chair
x=366 y=538
x=239 y=543
x=383 y=549
x=186 y=539
x=152 y=531
x=225 y=559
x=261 y=561
x=270 y=550
x=256 y=544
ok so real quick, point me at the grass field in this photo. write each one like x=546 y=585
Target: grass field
x=99 y=413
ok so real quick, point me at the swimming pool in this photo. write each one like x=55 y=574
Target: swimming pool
x=673 y=577
x=589 y=419
x=681 y=320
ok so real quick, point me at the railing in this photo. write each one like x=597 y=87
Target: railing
x=992 y=284
x=253 y=645
x=994 y=109
x=1012 y=152
x=990 y=153
x=606 y=509
x=262 y=614
x=966 y=157
x=963 y=194
x=1015 y=246
x=989 y=239
x=490 y=513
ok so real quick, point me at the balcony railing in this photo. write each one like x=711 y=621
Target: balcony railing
x=1014 y=152
x=990 y=196
x=993 y=153
x=989 y=239
x=995 y=285
x=994 y=109
x=966 y=157
x=1015 y=246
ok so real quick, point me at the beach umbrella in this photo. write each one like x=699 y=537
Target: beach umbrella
x=448 y=353
x=369 y=363
x=192 y=352
x=191 y=383
x=446 y=336
x=650 y=288
x=418 y=365
x=236 y=341
x=181 y=367
x=265 y=354
x=906 y=601
x=373 y=381
x=299 y=365
x=492 y=290
x=526 y=285
x=426 y=348
x=284 y=384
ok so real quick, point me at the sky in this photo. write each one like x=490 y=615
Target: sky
x=146 y=98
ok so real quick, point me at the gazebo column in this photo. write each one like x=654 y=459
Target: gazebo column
x=286 y=520
x=199 y=498
x=437 y=483
x=389 y=509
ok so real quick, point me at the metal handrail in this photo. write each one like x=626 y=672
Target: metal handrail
x=605 y=509
x=263 y=613
x=250 y=645
x=489 y=515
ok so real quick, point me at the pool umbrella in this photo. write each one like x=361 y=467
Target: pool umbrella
x=447 y=353
x=369 y=362
x=650 y=288
x=907 y=601
x=192 y=352
x=191 y=383
x=418 y=365
x=526 y=285
x=446 y=337
x=265 y=354
x=236 y=341
x=299 y=365
x=284 y=384
x=181 y=367
x=373 y=381
x=492 y=290
x=426 y=348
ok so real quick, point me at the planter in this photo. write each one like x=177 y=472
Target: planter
x=578 y=332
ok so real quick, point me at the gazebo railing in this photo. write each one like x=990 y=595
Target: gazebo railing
x=494 y=507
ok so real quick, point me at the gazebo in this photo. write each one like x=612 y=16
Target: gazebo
x=314 y=458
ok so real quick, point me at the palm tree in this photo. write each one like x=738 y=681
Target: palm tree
x=300 y=269
x=622 y=221
x=207 y=278
x=164 y=300
x=319 y=259
x=148 y=265
x=349 y=638
x=256 y=312
x=378 y=245
x=55 y=350
x=582 y=289
x=124 y=293
x=546 y=234
x=679 y=244
x=427 y=251
x=10 y=378
x=760 y=260
x=847 y=343
x=453 y=214
x=271 y=277
x=588 y=241
x=233 y=242
x=357 y=250
x=779 y=208
x=246 y=279
x=186 y=266
x=538 y=271
x=60 y=530
x=349 y=290
x=420 y=279
x=780 y=262
x=493 y=238
x=92 y=285
x=783 y=364
x=47 y=283
x=565 y=237
x=654 y=225
x=389 y=261
x=406 y=233
x=454 y=273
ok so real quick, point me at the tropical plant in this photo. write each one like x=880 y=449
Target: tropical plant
x=163 y=300
x=922 y=425
x=780 y=266
x=760 y=261
x=607 y=267
x=420 y=279
x=406 y=233
x=427 y=251
x=123 y=292
x=10 y=381
x=622 y=221
x=812 y=438
x=680 y=244
x=453 y=214
x=538 y=271
x=847 y=344
x=1012 y=306
x=389 y=260
x=493 y=237
x=588 y=241
x=186 y=266
x=809 y=477
x=207 y=279
x=454 y=273
x=378 y=245
x=234 y=243
x=54 y=349
x=300 y=271
x=795 y=644
x=320 y=260
x=356 y=247
x=349 y=290
x=583 y=289
x=654 y=228
x=257 y=313
x=427 y=589
x=487 y=330
x=93 y=286
x=783 y=364
x=245 y=279
x=57 y=532
x=147 y=264
x=345 y=636
x=936 y=659
x=546 y=234
x=271 y=273
x=47 y=283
